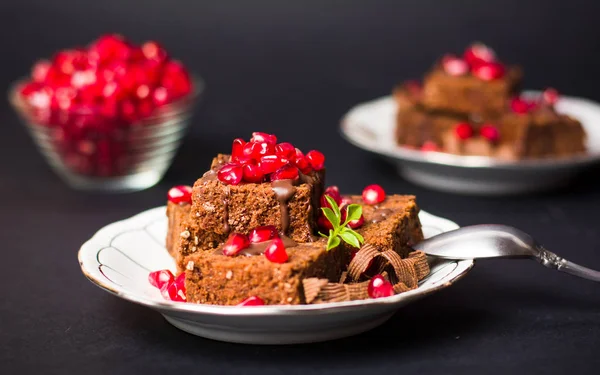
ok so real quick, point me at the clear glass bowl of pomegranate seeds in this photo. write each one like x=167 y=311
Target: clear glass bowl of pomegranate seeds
x=108 y=117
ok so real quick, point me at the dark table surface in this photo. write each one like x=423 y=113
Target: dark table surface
x=294 y=69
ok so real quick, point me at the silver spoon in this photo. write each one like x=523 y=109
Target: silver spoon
x=498 y=241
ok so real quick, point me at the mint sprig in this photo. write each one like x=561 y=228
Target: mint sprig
x=341 y=231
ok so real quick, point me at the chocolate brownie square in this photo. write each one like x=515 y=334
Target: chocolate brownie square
x=292 y=208
x=213 y=278
x=467 y=94
x=392 y=224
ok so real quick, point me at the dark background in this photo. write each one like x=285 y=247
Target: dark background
x=294 y=68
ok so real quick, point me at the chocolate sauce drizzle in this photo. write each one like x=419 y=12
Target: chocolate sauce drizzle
x=284 y=190
x=259 y=248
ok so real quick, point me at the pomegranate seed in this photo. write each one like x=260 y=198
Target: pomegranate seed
x=264 y=137
x=373 y=194
x=160 y=96
x=160 y=278
x=520 y=105
x=303 y=165
x=255 y=150
x=237 y=148
x=334 y=192
x=235 y=243
x=354 y=224
x=40 y=70
x=275 y=252
x=463 y=130
x=323 y=223
x=175 y=291
x=454 y=66
x=180 y=194
x=110 y=47
x=287 y=172
x=478 y=53
x=490 y=132
x=316 y=159
x=153 y=51
x=380 y=287
x=488 y=71
x=145 y=108
x=128 y=111
x=252 y=173
x=550 y=96
x=262 y=234
x=40 y=97
x=231 y=174
x=429 y=146
x=285 y=150
x=252 y=301
x=271 y=163
x=64 y=97
x=142 y=92
x=344 y=201
x=176 y=79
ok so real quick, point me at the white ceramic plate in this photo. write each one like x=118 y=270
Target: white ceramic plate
x=371 y=126
x=119 y=257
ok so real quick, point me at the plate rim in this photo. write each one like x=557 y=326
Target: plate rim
x=459 y=161
x=256 y=311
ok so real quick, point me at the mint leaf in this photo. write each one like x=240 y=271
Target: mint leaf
x=334 y=207
x=349 y=237
x=330 y=215
x=323 y=235
x=333 y=242
x=353 y=212
x=358 y=236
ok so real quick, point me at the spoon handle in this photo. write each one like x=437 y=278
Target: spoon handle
x=551 y=260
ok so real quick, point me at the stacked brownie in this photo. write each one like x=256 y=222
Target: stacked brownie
x=243 y=232
x=472 y=106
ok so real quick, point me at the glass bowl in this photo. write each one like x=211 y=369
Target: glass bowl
x=91 y=151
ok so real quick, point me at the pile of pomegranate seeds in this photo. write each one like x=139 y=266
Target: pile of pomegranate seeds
x=262 y=159
x=180 y=194
x=342 y=201
x=171 y=288
x=379 y=287
x=93 y=97
x=373 y=194
x=111 y=78
x=478 y=59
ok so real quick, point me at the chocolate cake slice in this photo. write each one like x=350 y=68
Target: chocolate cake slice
x=291 y=206
x=214 y=278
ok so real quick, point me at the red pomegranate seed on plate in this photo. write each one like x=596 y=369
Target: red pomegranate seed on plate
x=478 y=53
x=252 y=301
x=490 y=132
x=252 y=173
x=380 y=287
x=550 y=96
x=159 y=279
x=285 y=150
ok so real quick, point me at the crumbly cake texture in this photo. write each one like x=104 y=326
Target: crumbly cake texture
x=177 y=215
x=217 y=279
x=223 y=209
x=469 y=94
x=540 y=133
x=213 y=278
x=393 y=224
